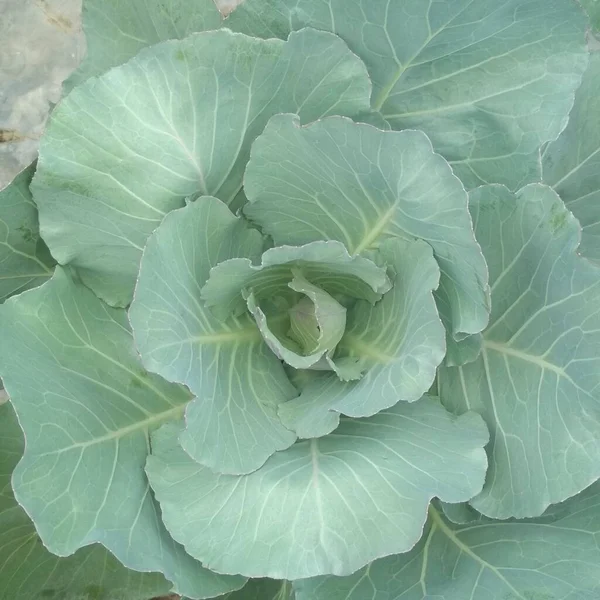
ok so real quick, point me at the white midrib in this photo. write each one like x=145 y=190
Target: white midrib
x=533 y=359
x=451 y=535
x=376 y=230
x=142 y=425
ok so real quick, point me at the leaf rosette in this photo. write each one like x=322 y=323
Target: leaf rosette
x=266 y=277
x=318 y=302
x=293 y=301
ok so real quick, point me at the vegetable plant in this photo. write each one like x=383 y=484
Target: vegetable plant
x=304 y=303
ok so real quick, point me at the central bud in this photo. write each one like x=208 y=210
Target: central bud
x=304 y=336
x=304 y=325
x=317 y=320
x=298 y=296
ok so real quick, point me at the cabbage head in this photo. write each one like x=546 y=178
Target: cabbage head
x=304 y=303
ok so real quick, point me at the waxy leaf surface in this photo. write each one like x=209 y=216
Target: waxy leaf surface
x=537 y=380
x=327 y=505
x=87 y=406
x=338 y=180
x=28 y=571
x=572 y=163
x=177 y=120
x=489 y=81
x=232 y=425
x=555 y=557
x=397 y=345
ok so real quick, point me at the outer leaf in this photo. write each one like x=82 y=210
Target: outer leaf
x=86 y=406
x=493 y=560
x=593 y=9
x=327 y=505
x=263 y=589
x=462 y=513
x=489 y=81
x=24 y=259
x=28 y=571
x=178 y=119
x=326 y=264
x=398 y=343
x=116 y=31
x=339 y=180
x=537 y=381
x=232 y=425
x=572 y=163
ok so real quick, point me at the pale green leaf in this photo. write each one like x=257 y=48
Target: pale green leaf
x=571 y=165
x=541 y=559
x=325 y=316
x=24 y=259
x=326 y=263
x=316 y=319
x=322 y=506
x=537 y=380
x=124 y=149
x=315 y=325
x=489 y=81
x=338 y=180
x=29 y=572
x=398 y=344
x=116 y=30
x=86 y=406
x=232 y=424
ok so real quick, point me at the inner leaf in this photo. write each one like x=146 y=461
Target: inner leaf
x=306 y=334
x=326 y=264
x=317 y=313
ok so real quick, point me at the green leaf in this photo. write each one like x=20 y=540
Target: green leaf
x=232 y=425
x=537 y=380
x=462 y=513
x=571 y=165
x=463 y=351
x=337 y=180
x=592 y=8
x=24 y=259
x=29 y=572
x=322 y=506
x=263 y=589
x=124 y=149
x=510 y=560
x=488 y=81
x=398 y=344
x=86 y=406
x=326 y=263
x=116 y=31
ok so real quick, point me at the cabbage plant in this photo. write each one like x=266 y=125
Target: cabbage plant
x=304 y=303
